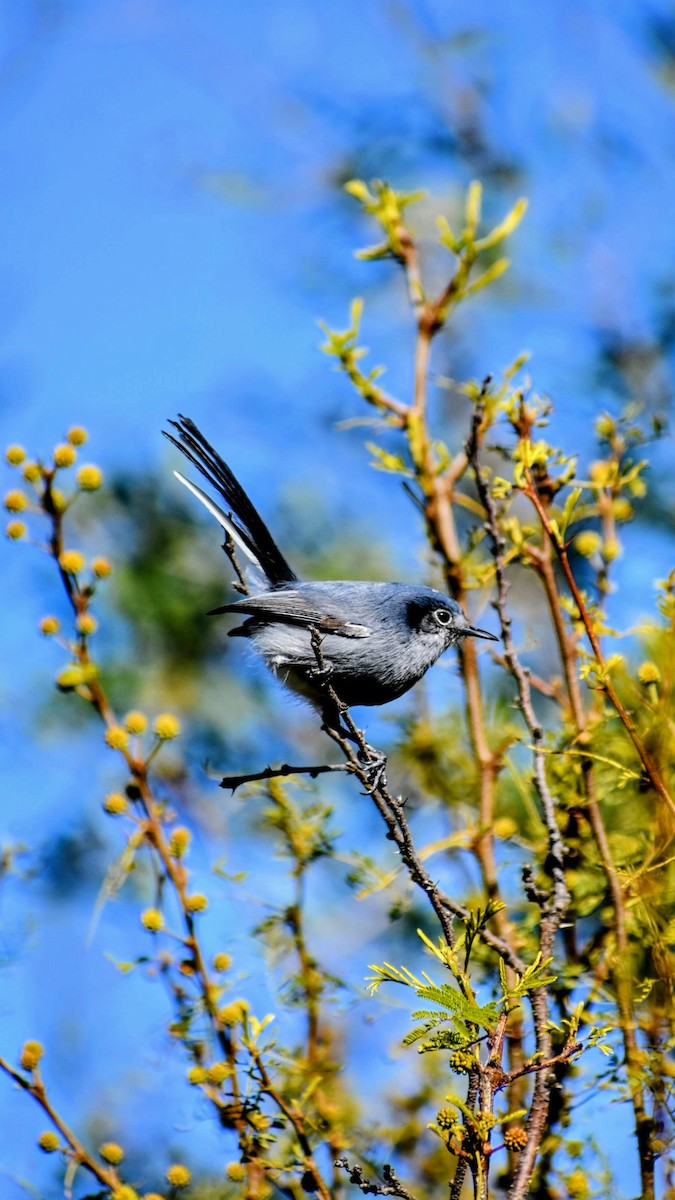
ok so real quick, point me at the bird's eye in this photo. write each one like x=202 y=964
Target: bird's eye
x=442 y=616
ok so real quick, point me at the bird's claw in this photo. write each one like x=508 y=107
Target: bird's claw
x=374 y=767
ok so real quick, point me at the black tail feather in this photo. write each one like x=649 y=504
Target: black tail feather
x=249 y=524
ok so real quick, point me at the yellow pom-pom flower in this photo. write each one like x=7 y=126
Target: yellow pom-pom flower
x=648 y=672
x=86 y=624
x=64 y=455
x=611 y=549
x=49 y=626
x=48 y=1141
x=71 y=561
x=124 y=1192
x=15 y=455
x=77 y=436
x=115 y=804
x=135 y=722
x=16 y=500
x=222 y=962
x=152 y=920
x=197 y=902
x=587 y=543
x=116 y=737
x=31 y=1053
x=112 y=1153
x=236 y=1171
x=58 y=500
x=89 y=478
x=15 y=530
x=218 y=1072
x=197 y=1075
x=179 y=841
x=232 y=1014
x=101 y=567
x=178 y=1175
x=31 y=472
x=166 y=726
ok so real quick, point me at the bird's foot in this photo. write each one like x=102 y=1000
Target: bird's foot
x=374 y=767
x=321 y=675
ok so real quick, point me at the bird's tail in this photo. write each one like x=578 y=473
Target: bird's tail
x=264 y=563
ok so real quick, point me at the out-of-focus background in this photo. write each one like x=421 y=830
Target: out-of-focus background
x=174 y=226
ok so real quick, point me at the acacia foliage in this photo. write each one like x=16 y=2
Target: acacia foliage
x=552 y=973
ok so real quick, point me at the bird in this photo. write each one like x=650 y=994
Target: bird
x=370 y=642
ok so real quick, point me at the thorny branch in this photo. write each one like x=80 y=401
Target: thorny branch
x=368 y=764
x=76 y=1152
x=651 y=770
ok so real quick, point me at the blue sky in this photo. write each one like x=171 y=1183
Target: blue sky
x=174 y=228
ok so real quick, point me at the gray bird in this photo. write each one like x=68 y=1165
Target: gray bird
x=376 y=639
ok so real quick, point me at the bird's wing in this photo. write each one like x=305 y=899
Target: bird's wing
x=291 y=607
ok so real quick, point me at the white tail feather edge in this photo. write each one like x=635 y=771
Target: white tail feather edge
x=226 y=523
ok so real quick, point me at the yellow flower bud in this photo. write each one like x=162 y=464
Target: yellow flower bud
x=135 y=722
x=648 y=672
x=218 y=1072
x=222 y=962
x=58 y=500
x=71 y=561
x=605 y=426
x=197 y=902
x=15 y=455
x=76 y=435
x=167 y=726
x=179 y=841
x=64 y=455
x=31 y=1053
x=178 y=1175
x=16 y=500
x=152 y=1196
x=236 y=1171
x=232 y=1014
x=116 y=737
x=86 y=624
x=152 y=920
x=101 y=568
x=89 y=478
x=505 y=827
x=115 y=804
x=15 y=530
x=48 y=1141
x=601 y=473
x=587 y=543
x=31 y=472
x=623 y=509
x=49 y=626
x=124 y=1192
x=611 y=549
x=112 y=1153
x=197 y=1075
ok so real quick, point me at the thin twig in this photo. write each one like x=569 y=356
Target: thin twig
x=282 y=772
x=107 y=1176
x=650 y=767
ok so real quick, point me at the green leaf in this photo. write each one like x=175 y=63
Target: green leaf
x=473 y=206
x=570 y=504
x=358 y=189
x=384 y=461
x=498 y=268
x=505 y=227
x=447 y=237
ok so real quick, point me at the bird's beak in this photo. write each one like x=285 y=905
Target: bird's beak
x=471 y=631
